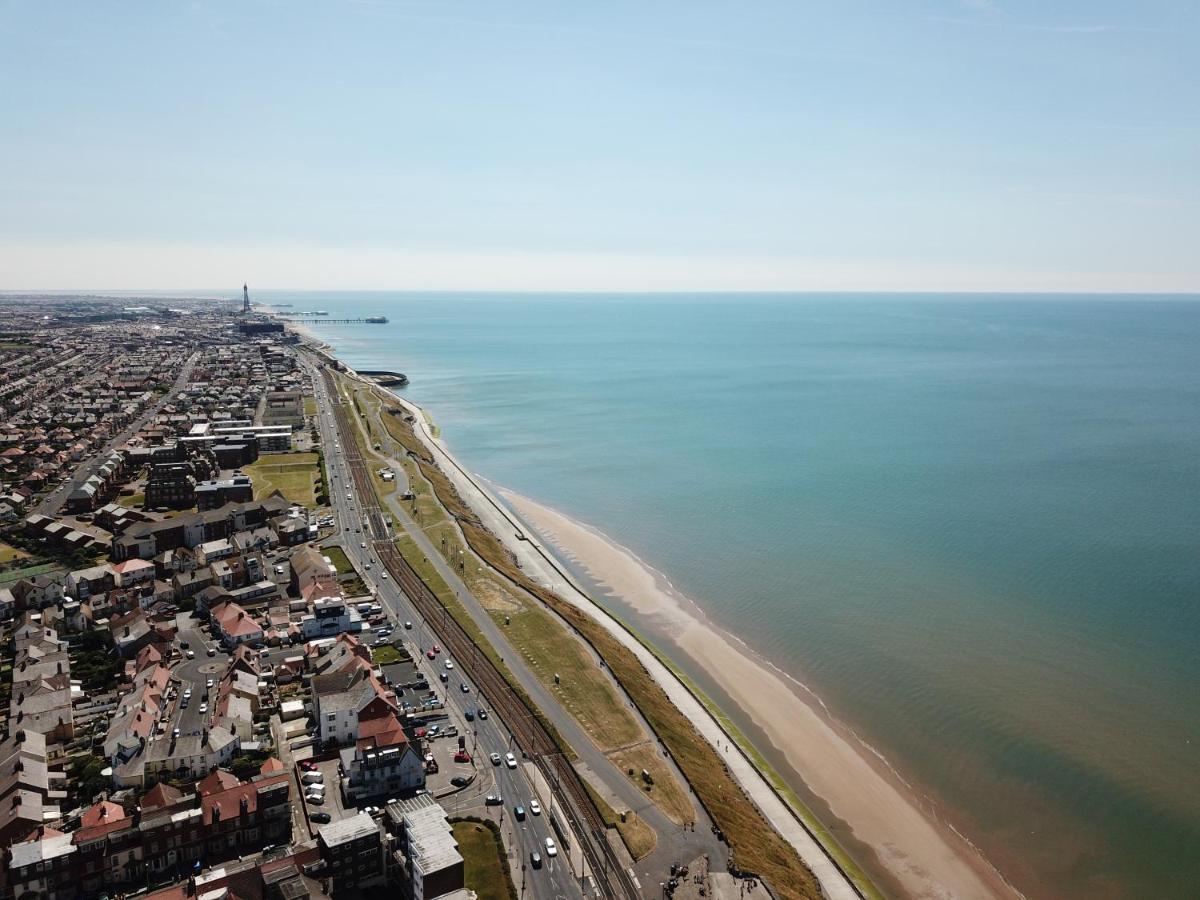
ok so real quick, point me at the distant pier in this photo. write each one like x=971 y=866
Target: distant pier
x=366 y=320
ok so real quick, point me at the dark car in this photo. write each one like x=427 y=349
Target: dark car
x=321 y=818
x=483 y=714
x=519 y=812
x=443 y=676
x=459 y=781
x=470 y=714
x=535 y=859
x=493 y=800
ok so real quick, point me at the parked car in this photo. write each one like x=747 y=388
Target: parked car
x=460 y=781
x=312 y=777
x=308 y=765
x=321 y=818
x=315 y=799
x=493 y=800
x=462 y=756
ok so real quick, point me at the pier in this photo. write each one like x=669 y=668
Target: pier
x=367 y=320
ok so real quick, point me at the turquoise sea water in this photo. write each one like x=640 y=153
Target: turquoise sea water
x=971 y=524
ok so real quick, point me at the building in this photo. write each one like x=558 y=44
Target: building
x=330 y=616
x=214 y=494
x=235 y=625
x=353 y=850
x=171 y=485
x=424 y=858
x=42 y=866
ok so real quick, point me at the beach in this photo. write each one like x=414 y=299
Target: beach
x=926 y=858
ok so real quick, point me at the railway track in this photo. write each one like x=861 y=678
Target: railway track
x=531 y=736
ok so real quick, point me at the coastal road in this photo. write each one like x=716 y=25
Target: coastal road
x=55 y=500
x=555 y=879
x=676 y=844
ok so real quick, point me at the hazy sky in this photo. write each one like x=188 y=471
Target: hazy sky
x=844 y=144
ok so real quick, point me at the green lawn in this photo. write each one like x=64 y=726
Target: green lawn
x=386 y=655
x=338 y=557
x=484 y=870
x=292 y=474
x=10 y=554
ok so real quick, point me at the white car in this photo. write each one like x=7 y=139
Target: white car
x=551 y=849
x=188 y=693
x=209 y=683
x=535 y=807
x=510 y=760
x=362 y=545
x=449 y=664
x=203 y=707
x=383 y=575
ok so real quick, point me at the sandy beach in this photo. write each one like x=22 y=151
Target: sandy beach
x=926 y=858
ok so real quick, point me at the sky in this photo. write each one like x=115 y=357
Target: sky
x=821 y=145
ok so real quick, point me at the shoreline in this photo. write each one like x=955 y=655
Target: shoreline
x=927 y=858
x=855 y=781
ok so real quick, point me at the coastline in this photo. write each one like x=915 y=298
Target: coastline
x=927 y=858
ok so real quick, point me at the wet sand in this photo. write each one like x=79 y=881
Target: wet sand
x=927 y=858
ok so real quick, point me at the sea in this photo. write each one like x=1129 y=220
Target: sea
x=971 y=524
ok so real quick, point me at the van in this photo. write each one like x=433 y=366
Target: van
x=314 y=790
x=312 y=778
